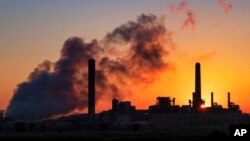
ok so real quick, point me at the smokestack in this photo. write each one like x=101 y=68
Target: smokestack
x=197 y=101
x=91 y=87
x=197 y=81
x=173 y=101
x=194 y=100
x=190 y=102
x=228 y=100
x=212 y=99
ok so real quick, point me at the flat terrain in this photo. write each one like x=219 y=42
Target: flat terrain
x=169 y=134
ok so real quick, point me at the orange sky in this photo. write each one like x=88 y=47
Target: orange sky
x=34 y=32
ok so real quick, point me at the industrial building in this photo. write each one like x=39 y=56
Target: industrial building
x=165 y=113
x=165 y=116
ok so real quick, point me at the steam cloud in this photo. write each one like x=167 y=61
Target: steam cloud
x=184 y=8
x=134 y=52
x=227 y=6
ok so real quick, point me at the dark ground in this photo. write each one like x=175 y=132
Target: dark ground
x=166 y=134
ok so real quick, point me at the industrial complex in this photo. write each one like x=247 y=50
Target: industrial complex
x=165 y=115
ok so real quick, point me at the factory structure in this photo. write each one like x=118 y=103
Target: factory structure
x=165 y=112
x=190 y=119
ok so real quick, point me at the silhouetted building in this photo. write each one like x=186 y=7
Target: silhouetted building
x=121 y=112
x=122 y=107
x=197 y=101
x=164 y=105
x=231 y=105
x=91 y=87
x=163 y=102
x=215 y=107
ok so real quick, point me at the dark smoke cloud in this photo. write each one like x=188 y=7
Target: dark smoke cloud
x=226 y=5
x=184 y=8
x=54 y=89
x=59 y=88
x=147 y=39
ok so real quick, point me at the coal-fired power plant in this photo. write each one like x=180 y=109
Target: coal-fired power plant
x=164 y=114
x=61 y=96
x=91 y=87
x=167 y=114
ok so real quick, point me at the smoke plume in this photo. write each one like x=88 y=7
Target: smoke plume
x=135 y=52
x=227 y=6
x=183 y=7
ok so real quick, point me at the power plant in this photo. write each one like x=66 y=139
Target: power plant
x=164 y=117
x=167 y=105
x=165 y=113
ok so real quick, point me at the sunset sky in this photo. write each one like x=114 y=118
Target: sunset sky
x=32 y=31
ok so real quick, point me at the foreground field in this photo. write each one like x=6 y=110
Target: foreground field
x=169 y=134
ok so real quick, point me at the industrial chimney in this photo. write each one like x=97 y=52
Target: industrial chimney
x=198 y=81
x=228 y=100
x=91 y=87
x=212 y=99
x=197 y=101
x=173 y=101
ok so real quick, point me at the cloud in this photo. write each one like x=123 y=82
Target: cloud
x=58 y=88
x=183 y=7
x=226 y=5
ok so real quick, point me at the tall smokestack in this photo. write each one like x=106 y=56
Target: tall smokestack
x=198 y=81
x=91 y=87
x=212 y=99
x=228 y=100
x=197 y=101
